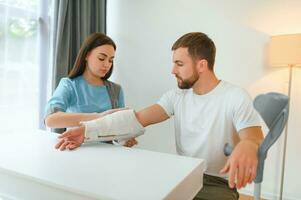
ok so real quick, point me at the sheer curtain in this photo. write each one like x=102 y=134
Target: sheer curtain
x=21 y=26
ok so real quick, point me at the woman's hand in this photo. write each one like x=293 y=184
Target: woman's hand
x=131 y=142
x=71 y=138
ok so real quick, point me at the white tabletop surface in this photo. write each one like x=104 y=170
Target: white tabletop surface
x=100 y=171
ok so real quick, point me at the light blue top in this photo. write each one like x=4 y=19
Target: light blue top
x=78 y=96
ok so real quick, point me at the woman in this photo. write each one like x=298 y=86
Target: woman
x=86 y=93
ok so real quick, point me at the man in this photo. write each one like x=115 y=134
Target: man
x=208 y=113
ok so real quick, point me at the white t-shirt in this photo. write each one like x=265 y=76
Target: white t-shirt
x=204 y=123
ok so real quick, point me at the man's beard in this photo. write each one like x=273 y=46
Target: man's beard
x=187 y=83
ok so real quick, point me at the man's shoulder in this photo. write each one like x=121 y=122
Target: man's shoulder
x=233 y=89
x=235 y=93
x=172 y=96
x=177 y=92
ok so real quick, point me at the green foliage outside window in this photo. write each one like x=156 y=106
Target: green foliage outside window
x=22 y=28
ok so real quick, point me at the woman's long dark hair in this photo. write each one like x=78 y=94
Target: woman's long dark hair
x=91 y=42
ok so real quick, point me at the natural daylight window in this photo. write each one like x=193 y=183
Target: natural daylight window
x=19 y=69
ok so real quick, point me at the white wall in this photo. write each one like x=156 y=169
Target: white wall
x=145 y=30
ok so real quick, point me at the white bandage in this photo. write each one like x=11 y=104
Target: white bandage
x=117 y=123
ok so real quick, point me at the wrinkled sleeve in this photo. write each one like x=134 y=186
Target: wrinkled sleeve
x=167 y=102
x=244 y=113
x=61 y=97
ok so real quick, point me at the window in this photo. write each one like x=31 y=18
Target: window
x=19 y=70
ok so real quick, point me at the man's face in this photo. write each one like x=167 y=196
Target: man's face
x=184 y=68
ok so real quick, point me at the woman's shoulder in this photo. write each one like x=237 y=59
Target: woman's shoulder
x=66 y=80
x=71 y=84
x=71 y=81
x=112 y=84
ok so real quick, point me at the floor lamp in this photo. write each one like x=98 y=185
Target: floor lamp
x=285 y=51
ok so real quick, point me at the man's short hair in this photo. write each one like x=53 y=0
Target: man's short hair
x=199 y=45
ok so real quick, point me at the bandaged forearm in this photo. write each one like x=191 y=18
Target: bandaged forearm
x=117 y=123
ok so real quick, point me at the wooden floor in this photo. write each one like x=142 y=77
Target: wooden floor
x=246 y=197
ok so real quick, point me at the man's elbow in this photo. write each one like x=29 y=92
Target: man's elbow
x=139 y=117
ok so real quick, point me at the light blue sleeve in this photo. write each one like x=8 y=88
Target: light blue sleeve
x=61 y=97
x=121 y=103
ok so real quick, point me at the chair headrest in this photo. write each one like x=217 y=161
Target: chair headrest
x=270 y=105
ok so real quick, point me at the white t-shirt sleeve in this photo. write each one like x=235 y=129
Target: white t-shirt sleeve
x=167 y=102
x=244 y=113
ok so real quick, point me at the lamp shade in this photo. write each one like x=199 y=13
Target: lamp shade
x=285 y=50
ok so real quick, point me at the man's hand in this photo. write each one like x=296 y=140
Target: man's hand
x=242 y=164
x=71 y=139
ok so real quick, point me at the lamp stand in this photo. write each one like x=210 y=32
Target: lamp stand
x=286 y=131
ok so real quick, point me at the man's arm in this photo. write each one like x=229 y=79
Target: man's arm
x=151 y=115
x=73 y=138
x=253 y=134
x=242 y=164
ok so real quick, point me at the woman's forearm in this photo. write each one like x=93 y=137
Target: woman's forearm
x=65 y=120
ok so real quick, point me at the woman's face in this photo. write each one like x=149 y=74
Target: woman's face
x=100 y=60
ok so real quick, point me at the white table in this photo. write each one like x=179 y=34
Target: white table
x=30 y=168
